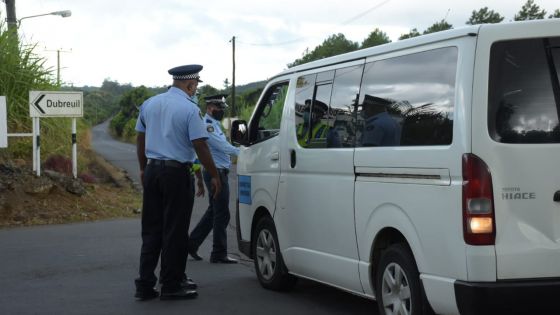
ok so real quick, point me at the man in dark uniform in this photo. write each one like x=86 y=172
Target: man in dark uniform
x=217 y=216
x=170 y=130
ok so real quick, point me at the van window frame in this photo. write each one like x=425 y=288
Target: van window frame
x=372 y=62
x=509 y=105
x=255 y=119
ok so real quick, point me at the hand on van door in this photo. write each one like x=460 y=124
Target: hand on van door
x=216 y=186
x=203 y=153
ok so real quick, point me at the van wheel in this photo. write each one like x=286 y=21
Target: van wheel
x=269 y=265
x=397 y=283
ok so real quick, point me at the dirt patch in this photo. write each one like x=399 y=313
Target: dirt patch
x=100 y=192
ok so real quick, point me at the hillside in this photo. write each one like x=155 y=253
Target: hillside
x=56 y=197
x=250 y=86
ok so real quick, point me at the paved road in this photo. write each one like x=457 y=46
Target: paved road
x=120 y=154
x=89 y=269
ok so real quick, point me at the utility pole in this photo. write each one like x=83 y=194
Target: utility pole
x=58 y=51
x=233 y=79
x=11 y=15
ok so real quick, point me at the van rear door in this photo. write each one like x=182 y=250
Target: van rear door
x=518 y=136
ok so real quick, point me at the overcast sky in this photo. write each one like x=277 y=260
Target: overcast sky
x=137 y=41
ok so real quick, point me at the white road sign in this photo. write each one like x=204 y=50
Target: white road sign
x=3 y=123
x=56 y=104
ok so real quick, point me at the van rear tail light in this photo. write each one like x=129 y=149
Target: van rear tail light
x=479 y=224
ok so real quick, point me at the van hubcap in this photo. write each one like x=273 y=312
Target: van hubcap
x=266 y=254
x=395 y=291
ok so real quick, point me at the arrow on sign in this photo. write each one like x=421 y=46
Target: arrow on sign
x=36 y=103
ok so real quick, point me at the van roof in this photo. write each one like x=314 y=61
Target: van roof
x=470 y=30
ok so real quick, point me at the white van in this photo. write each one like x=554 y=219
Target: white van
x=423 y=173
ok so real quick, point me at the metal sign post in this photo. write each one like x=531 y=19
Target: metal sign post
x=37 y=149
x=3 y=123
x=34 y=139
x=4 y=129
x=74 y=150
x=54 y=104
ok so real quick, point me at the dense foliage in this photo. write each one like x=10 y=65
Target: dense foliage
x=124 y=123
x=334 y=45
x=377 y=37
x=530 y=11
x=484 y=16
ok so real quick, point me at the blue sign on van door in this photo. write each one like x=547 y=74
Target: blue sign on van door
x=244 y=187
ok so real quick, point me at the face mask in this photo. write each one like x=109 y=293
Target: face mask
x=218 y=114
x=194 y=98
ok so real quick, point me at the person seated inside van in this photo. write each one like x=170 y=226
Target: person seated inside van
x=314 y=131
x=380 y=129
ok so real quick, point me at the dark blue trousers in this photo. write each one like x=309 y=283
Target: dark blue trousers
x=166 y=212
x=215 y=218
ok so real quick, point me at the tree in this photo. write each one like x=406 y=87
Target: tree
x=334 y=45
x=98 y=106
x=484 y=16
x=438 y=27
x=555 y=15
x=413 y=33
x=113 y=87
x=207 y=90
x=123 y=123
x=530 y=11
x=131 y=100
x=377 y=37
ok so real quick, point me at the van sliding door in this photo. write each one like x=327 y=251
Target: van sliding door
x=316 y=192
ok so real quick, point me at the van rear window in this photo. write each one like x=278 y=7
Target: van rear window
x=524 y=91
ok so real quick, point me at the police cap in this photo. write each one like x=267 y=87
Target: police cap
x=186 y=72
x=218 y=100
x=374 y=100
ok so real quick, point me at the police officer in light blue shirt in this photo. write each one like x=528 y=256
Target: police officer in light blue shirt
x=380 y=129
x=217 y=215
x=170 y=131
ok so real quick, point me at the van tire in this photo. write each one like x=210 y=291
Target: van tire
x=269 y=264
x=398 y=265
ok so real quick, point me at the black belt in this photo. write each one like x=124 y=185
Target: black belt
x=169 y=163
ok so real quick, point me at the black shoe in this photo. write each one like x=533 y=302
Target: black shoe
x=188 y=284
x=146 y=294
x=223 y=260
x=195 y=255
x=181 y=294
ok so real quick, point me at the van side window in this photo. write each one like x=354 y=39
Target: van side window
x=324 y=108
x=266 y=122
x=305 y=88
x=344 y=99
x=408 y=100
x=524 y=91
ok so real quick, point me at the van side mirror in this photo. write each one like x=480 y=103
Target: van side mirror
x=238 y=132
